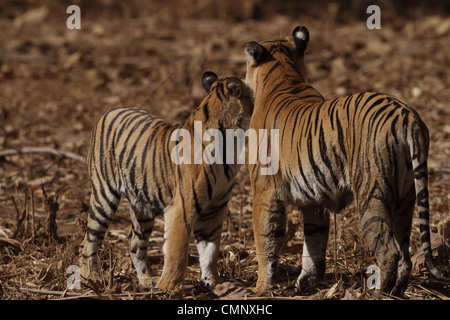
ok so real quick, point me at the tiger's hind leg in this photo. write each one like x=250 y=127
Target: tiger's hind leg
x=101 y=211
x=207 y=231
x=142 y=226
x=402 y=232
x=269 y=226
x=316 y=226
x=377 y=229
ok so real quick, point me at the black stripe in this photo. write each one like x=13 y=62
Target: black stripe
x=137 y=139
x=423 y=174
x=94 y=217
x=388 y=116
x=300 y=89
x=130 y=132
x=211 y=212
x=220 y=93
x=281 y=107
x=203 y=234
x=305 y=181
x=310 y=229
x=377 y=220
x=132 y=173
x=316 y=170
x=370 y=107
x=422 y=198
x=382 y=198
x=357 y=101
x=101 y=189
x=86 y=256
x=393 y=128
x=206 y=111
x=417 y=147
x=341 y=138
x=198 y=208
x=324 y=156
x=208 y=184
x=274 y=67
x=96 y=233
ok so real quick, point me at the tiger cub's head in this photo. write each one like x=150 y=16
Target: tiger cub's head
x=289 y=50
x=229 y=103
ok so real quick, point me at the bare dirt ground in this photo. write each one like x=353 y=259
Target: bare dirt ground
x=55 y=83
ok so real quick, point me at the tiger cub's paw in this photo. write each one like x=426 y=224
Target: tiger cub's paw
x=89 y=270
x=210 y=282
x=306 y=284
x=263 y=288
x=169 y=284
x=146 y=281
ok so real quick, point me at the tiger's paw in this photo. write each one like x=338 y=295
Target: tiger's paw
x=169 y=284
x=306 y=284
x=210 y=281
x=89 y=270
x=146 y=281
x=145 y=275
x=263 y=288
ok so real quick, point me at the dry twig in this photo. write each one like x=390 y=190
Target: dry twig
x=65 y=154
x=51 y=206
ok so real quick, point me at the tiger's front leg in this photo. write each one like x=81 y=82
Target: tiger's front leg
x=316 y=224
x=207 y=232
x=175 y=249
x=269 y=225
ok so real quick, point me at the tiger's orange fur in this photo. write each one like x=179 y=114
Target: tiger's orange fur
x=130 y=154
x=369 y=147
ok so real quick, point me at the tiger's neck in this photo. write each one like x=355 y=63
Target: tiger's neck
x=282 y=78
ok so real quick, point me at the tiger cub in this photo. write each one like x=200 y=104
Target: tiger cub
x=369 y=147
x=134 y=154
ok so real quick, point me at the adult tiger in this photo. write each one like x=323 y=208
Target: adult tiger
x=370 y=147
x=131 y=153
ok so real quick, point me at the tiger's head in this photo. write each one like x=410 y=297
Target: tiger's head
x=289 y=50
x=229 y=103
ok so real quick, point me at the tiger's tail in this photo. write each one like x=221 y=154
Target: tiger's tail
x=418 y=143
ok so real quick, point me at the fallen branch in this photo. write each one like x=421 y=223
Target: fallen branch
x=90 y=294
x=439 y=170
x=60 y=153
x=47 y=292
x=154 y=89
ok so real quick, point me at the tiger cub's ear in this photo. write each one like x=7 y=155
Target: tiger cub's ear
x=234 y=86
x=254 y=52
x=301 y=38
x=208 y=79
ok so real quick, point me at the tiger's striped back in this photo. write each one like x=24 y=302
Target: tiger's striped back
x=130 y=154
x=369 y=147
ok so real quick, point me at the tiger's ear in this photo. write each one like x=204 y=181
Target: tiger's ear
x=254 y=52
x=301 y=38
x=234 y=86
x=208 y=79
